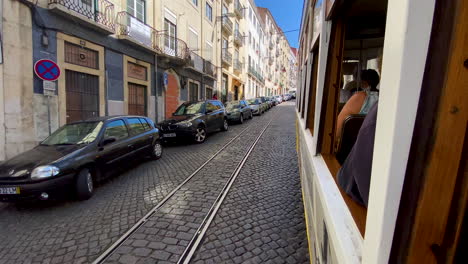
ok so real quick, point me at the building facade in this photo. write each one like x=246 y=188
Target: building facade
x=137 y=57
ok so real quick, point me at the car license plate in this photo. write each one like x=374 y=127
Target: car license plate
x=169 y=135
x=10 y=190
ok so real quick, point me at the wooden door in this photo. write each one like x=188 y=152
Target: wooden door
x=82 y=93
x=136 y=99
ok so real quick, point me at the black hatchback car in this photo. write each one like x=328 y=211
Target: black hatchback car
x=194 y=120
x=76 y=156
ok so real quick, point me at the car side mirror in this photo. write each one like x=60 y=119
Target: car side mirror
x=108 y=141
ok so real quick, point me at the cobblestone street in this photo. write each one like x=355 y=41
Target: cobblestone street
x=260 y=221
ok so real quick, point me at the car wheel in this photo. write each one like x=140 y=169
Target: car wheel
x=241 y=119
x=200 y=135
x=157 y=150
x=84 y=184
x=225 y=125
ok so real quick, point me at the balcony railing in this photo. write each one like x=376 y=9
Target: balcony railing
x=132 y=29
x=271 y=44
x=256 y=74
x=209 y=69
x=238 y=9
x=100 y=12
x=171 y=46
x=196 y=62
x=277 y=40
x=226 y=57
x=278 y=53
x=237 y=65
x=238 y=39
x=227 y=24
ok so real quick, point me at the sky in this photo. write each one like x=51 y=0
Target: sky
x=287 y=14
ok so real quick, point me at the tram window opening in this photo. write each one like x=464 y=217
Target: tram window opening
x=356 y=44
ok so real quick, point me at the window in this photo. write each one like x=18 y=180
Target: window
x=136 y=127
x=218 y=105
x=208 y=55
x=193 y=91
x=116 y=129
x=250 y=38
x=208 y=92
x=145 y=123
x=193 y=40
x=136 y=8
x=250 y=14
x=225 y=10
x=170 y=39
x=195 y=2
x=225 y=44
x=210 y=107
x=209 y=12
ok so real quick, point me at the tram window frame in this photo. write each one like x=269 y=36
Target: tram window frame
x=330 y=110
x=312 y=95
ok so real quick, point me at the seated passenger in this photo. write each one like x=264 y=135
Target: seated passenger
x=362 y=101
x=354 y=176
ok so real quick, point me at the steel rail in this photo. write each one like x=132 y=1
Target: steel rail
x=198 y=236
x=102 y=258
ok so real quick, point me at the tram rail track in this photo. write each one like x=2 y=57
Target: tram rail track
x=197 y=238
x=108 y=252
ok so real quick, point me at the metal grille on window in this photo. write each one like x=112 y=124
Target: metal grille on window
x=82 y=93
x=193 y=90
x=136 y=99
x=78 y=55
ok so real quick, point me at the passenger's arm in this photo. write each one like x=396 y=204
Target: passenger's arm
x=353 y=106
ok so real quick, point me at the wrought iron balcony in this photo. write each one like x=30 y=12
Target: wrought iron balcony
x=237 y=66
x=130 y=29
x=196 y=62
x=97 y=14
x=209 y=69
x=238 y=9
x=171 y=47
x=238 y=38
x=227 y=25
x=226 y=57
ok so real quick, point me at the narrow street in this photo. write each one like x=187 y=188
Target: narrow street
x=260 y=220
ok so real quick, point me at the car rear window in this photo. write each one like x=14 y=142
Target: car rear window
x=136 y=126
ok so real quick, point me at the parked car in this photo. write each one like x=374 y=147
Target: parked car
x=293 y=94
x=279 y=99
x=194 y=120
x=238 y=111
x=77 y=155
x=256 y=106
x=273 y=101
x=265 y=103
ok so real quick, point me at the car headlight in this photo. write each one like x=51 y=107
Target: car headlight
x=42 y=172
x=185 y=124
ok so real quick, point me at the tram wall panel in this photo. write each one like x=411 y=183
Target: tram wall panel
x=322 y=251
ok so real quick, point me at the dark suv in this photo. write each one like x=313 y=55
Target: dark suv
x=194 y=120
x=77 y=155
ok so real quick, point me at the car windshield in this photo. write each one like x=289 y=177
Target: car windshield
x=232 y=105
x=189 y=109
x=73 y=134
x=252 y=101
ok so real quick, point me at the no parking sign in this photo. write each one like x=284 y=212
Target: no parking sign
x=47 y=70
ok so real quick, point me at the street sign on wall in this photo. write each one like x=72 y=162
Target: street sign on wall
x=47 y=70
x=49 y=88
